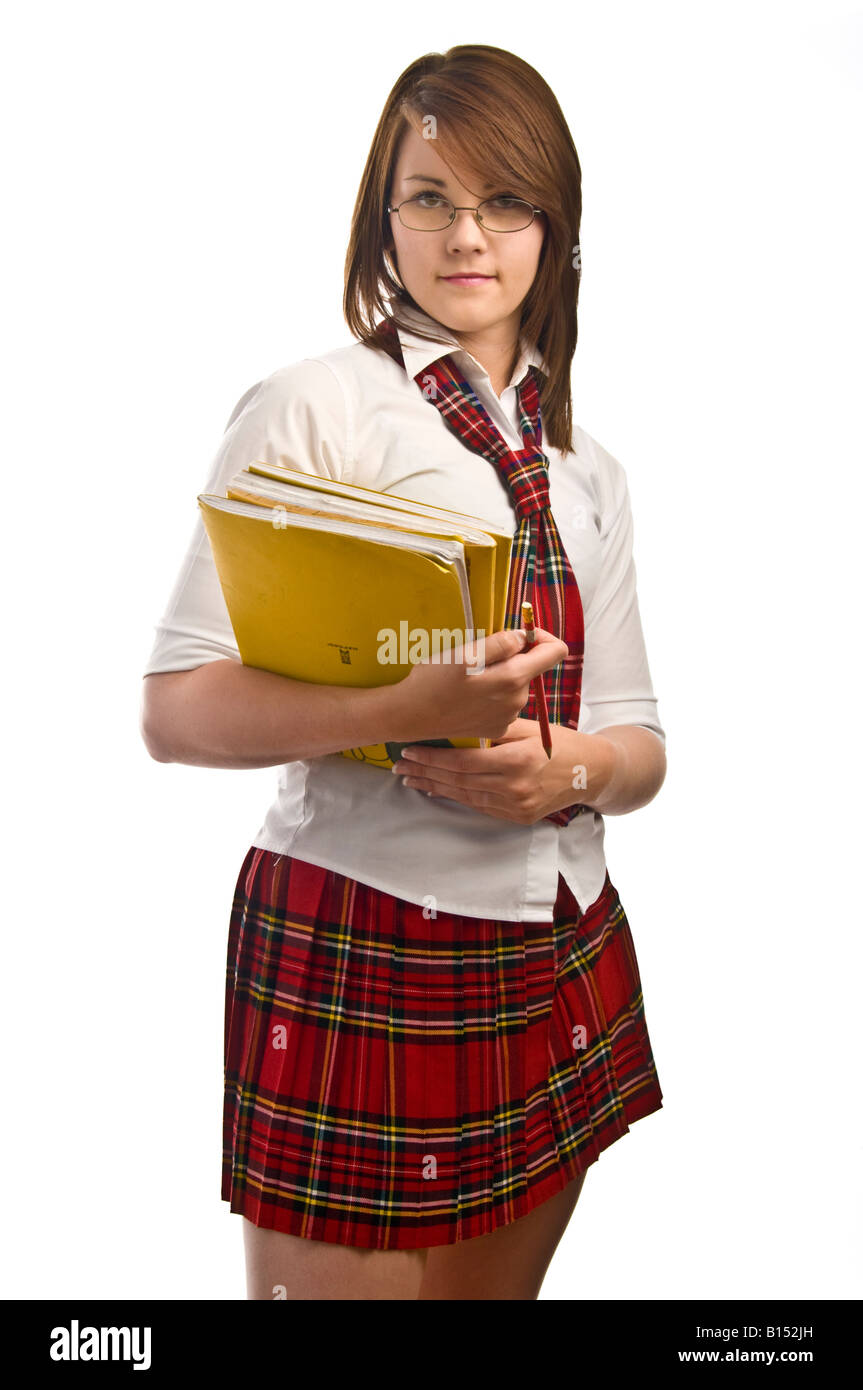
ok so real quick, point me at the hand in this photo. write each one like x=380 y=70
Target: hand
x=456 y=699
x=513 y=780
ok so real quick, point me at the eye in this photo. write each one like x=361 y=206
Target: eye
x=505 y=200
x=436 y=198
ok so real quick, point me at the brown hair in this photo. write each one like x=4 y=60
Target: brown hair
x=484 y=99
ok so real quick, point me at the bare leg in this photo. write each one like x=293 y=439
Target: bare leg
x=291 y=1267
x=509 y=1263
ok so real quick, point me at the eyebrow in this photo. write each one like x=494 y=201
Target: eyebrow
x=441 y=183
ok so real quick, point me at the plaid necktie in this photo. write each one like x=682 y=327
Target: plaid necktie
x=540 y=570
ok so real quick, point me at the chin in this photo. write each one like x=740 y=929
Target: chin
x=466 y=317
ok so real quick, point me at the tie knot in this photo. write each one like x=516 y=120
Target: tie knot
x=527 y=478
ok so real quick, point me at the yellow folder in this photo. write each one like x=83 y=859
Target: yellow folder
x=338 y=585
x=502 y=539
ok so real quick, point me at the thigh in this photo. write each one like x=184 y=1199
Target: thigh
x=509 y=1263
x=279 y=1265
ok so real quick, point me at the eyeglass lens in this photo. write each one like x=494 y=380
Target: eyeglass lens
x=428 y=212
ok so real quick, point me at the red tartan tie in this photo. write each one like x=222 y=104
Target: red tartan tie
x=540 y=570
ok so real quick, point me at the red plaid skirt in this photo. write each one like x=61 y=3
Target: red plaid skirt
x=397 y=1079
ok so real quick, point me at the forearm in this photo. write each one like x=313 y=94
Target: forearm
x=617 y=770
x=638 y=770
x=227 y=715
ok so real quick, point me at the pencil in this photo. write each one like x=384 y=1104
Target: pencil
x=537 y=685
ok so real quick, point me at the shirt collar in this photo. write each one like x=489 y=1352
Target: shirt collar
x=418 y=353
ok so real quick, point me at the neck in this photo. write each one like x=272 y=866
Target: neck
x=495 y=351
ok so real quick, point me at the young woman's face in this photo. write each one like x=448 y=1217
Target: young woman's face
x=425 y=259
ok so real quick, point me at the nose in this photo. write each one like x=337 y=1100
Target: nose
x=463 y=229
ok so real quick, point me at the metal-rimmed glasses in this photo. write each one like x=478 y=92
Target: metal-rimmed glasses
x=430 y=212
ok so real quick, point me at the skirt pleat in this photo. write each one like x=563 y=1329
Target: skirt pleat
x=397 y=1077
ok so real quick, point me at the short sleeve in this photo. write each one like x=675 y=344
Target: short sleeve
x=296 y=417
x=616 y=681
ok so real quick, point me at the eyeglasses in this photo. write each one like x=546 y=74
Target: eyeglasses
x=429 y=212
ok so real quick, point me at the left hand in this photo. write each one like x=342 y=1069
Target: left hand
x=513 y=780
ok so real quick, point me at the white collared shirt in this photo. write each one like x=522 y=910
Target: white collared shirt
x=353 y=414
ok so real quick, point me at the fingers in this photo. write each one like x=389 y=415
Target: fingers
x=546 y=652
x=500 y=646
x=540 y=657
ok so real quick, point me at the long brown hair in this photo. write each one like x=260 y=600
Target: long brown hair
x=486 y=99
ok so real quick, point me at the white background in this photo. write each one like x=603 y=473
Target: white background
x=180 y=179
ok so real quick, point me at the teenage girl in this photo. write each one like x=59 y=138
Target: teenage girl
x=433 y=1019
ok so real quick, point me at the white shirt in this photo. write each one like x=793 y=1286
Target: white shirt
x=353 y=414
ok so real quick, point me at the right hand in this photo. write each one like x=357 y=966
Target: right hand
x=452 y=699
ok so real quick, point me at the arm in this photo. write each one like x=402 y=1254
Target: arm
x=224 y=714
x=624 y=768
x=199 y=703
x=625 y=749
x=615 y=761
x=638 y=770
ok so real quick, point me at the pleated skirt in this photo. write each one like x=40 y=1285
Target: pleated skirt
x=397 y=1078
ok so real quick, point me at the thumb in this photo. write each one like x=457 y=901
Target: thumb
x=499 y=646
